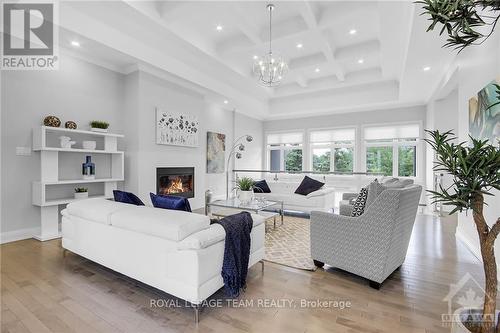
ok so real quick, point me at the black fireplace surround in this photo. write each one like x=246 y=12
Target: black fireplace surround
x=175 y=181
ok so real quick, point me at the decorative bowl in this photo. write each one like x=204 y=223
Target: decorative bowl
x=90 y=145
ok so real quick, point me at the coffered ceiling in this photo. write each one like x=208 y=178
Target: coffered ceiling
x=344 y=56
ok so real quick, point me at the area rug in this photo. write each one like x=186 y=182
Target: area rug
x=288 y=244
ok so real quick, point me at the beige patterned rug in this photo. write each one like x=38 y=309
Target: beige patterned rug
x=288 y=244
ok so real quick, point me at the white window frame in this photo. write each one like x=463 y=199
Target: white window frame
x=395 y=144
x=282 y=148
x=332 y=147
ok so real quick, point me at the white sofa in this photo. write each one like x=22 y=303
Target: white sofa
x=177 y=252
x=320 y=200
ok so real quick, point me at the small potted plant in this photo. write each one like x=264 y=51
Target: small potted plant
x=99 y=126
x=81 y=193
x=245 y=189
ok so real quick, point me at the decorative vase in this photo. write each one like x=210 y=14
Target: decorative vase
x=99 y=130
x=81 y=195
x=52 y=121
x=88 y=168
x=245 y=196
x=70 y=124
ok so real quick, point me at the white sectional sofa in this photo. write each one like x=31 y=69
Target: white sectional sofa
x=177 y=252
x=321 y=200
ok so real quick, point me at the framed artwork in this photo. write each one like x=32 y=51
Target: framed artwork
x=216 y=148
x=177 y=129
x=484 y=113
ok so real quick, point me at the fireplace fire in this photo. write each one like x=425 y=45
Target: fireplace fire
x=175 y=181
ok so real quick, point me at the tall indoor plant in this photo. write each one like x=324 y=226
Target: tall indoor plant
x=466 y=22
x=475 y=169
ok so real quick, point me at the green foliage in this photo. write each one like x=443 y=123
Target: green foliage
x=475 y=169
x=379 y=160
x=407 y=161
x=462 y=19
x=99 y=124
x=245 y=184
x=293 y=160
x=81 y=190
x=321 y=163
x=343 y=158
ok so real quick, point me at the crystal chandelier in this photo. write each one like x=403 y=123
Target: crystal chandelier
x=270 y=68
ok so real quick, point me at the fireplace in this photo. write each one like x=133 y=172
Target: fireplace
x=175 y=181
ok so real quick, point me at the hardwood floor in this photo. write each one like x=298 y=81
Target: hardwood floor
x=44 y=292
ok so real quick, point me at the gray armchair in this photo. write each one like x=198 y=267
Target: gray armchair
x=346 y=205
x=372 y=245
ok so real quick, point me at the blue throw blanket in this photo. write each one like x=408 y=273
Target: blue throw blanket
x=236 y=251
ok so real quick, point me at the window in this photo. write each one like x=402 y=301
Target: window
x=392 y=150
x=285 y=151
x=333 y=150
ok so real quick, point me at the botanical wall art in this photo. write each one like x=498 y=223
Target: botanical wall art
x=216 y=147
x=176 y=128
x=484 y=113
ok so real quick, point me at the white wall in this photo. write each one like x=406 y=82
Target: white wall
x=81 y=91
x=78 y=91
x=478 y=66
x=475 y=67
x=145 y=156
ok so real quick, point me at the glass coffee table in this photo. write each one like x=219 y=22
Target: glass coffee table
x=229 y=206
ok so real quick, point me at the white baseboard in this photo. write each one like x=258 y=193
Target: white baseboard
x=16 y=235
x=472 y=248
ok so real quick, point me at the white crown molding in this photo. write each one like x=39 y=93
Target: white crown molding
x=92 y=60
x=364 y=108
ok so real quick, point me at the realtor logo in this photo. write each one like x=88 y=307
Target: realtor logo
x=29 y=35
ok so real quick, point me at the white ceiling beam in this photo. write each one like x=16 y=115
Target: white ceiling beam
x=307 y=13
x=174 y=11
x=170 y=57
x=240 y=20
x=301 y=81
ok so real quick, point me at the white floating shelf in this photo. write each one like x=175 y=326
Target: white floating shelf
x=77 y=150
x=69 y=200
x=67 y=130
x=82 y=181
x=49 y=173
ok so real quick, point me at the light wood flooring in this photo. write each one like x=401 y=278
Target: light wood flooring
x=44 y=292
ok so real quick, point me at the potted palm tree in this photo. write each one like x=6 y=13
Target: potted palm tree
x=245 y=189
x=475 y=169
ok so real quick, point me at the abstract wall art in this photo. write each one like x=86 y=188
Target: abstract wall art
x=216 y=148
x=484 y=113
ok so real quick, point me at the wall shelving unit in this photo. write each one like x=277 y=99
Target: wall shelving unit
x=44 y=141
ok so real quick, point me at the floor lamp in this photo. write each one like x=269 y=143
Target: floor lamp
x=236 y=151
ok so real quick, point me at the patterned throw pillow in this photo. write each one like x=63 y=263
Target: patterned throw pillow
x=359 y=204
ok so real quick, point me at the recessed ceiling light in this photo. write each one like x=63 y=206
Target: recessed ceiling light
x=317 y=70
x=360 y=61
x=218 y=28
x=426 y=68
x=299 y=45
x=352 y=32
x=255 y=57
x=226 y=101
x=75 y=43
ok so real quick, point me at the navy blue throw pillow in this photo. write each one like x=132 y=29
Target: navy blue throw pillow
x=170 y=202
x=261 y=187
x=127 y=197
x=308 y=185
